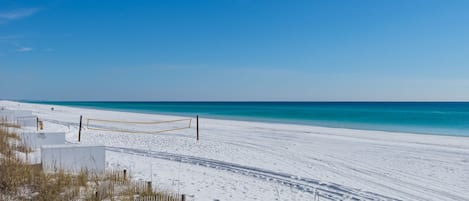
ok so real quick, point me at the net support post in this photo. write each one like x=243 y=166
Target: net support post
x=197 y=120
x=79 y=129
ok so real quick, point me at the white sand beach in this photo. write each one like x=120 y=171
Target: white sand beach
x=241 y=160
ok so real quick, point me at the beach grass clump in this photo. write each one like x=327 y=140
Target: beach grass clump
x=20 y=180
x=4 y=123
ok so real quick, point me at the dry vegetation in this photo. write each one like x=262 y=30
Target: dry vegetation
x=22 y=181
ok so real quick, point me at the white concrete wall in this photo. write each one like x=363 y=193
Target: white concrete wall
x=11 y=115
x=36 y=140
x=27 y=121
x=73 y=157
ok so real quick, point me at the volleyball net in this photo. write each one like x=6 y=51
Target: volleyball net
x=154 y=127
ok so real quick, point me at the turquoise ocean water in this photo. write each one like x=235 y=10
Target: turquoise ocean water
x=439 y=118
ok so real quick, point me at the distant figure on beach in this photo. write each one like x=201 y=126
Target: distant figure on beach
x=52 y=108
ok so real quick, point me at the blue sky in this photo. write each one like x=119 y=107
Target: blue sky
x=235 y=50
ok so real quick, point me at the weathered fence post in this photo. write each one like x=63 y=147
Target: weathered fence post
x=183 y=197
x=149 y=189
x=125 y=174
x=79 y=129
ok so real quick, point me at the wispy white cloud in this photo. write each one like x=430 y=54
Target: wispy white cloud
x=24 y=49
x=16 y=14
x=11 y=40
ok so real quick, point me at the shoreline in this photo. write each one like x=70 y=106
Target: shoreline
x=400 y=165
x=378 y=135
x=370 y=127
